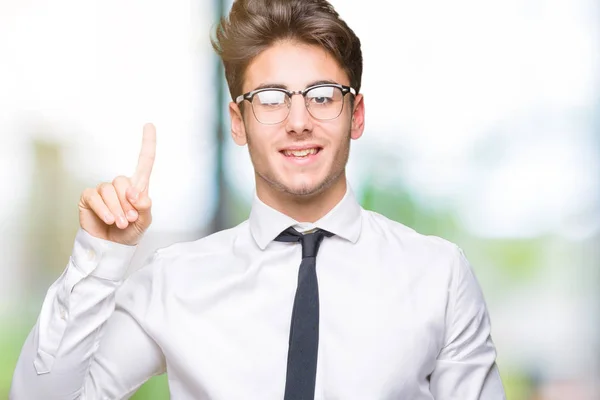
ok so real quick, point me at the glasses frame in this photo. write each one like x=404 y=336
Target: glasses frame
x=250 y=96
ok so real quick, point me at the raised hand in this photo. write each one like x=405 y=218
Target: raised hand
x=119 y=211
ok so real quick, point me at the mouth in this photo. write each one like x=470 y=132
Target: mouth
x=301 y=155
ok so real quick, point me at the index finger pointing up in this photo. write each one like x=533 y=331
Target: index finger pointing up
x=146 y=159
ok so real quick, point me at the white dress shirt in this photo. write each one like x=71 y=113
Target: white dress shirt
x=401 y=316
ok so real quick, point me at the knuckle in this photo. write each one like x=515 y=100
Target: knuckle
x=88 y=194
x=120 y=181
x=103 y=188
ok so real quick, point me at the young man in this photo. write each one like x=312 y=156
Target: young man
x=312 y=297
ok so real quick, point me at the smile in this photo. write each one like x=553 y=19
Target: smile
x=301 y=152
x=302 y=156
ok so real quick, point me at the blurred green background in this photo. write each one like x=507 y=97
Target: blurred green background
x=483 y=127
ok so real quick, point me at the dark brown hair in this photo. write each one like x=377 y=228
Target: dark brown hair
x=255 y=25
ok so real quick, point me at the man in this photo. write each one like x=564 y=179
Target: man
x=311 y=297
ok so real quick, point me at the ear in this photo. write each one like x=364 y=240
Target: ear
x=238 y=130
x=358 y=117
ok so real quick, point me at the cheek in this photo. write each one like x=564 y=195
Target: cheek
x=259 y=138
x=338 y=132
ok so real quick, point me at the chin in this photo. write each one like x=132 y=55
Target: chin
x=303 y=190
x=294 y=187
x=308 y=187
x=300 y=185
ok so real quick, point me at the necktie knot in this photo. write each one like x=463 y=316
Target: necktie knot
x=310 y=241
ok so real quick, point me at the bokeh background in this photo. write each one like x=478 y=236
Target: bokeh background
x=483 y=127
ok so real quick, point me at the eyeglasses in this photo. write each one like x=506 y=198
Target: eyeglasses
x=272 y=105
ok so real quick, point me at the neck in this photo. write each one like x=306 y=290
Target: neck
x=303 y=208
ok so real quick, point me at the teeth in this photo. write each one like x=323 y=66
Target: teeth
x=300 y=153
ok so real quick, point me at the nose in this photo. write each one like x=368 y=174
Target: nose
x=299 y=119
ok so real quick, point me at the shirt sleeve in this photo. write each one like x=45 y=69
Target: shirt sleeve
x=80 y=346
x=466 y=367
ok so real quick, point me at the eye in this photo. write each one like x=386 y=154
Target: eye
x=321 y=100
x=323 y=95
x=269 y=98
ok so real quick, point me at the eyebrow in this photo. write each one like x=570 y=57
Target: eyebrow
x=282 y=86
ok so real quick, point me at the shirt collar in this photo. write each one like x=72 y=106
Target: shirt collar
x=344 y=220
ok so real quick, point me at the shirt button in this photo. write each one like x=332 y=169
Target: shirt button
x=63 y=313
x=91 y=255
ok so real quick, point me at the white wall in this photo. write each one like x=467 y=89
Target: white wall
x=87 y=75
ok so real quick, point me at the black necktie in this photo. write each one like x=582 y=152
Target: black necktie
x=304 y=329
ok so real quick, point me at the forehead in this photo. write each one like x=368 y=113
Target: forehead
x=294 y=65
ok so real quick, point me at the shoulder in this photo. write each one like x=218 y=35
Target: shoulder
x=393 y=233
x=180 y=264
x=403 y=248
x=191 y=254
x=419 y=258
x=215 y=244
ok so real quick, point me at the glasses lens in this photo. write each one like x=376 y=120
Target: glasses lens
x=270 y=106
x=325 y=102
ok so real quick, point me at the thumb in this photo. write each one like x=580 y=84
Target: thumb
x=140 y=201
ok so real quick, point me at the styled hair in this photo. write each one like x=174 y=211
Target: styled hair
x=254 y=25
